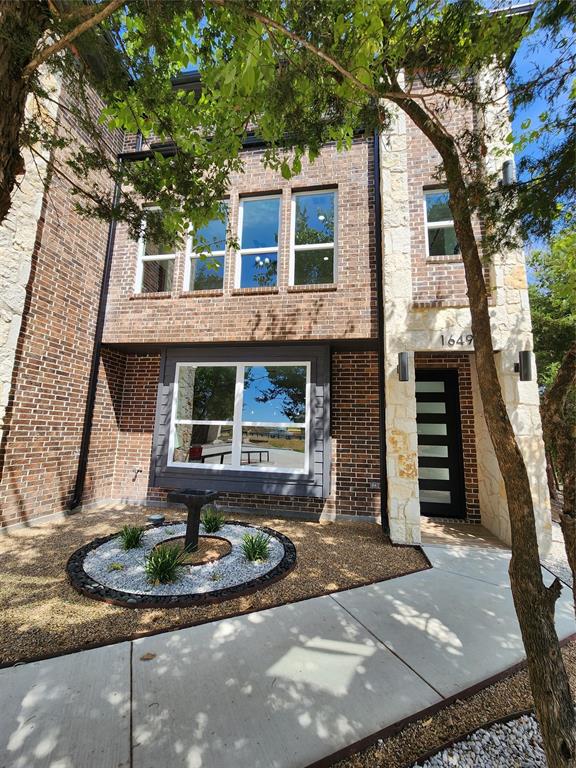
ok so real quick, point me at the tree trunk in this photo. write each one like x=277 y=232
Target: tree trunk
x=22 y=24
x=550 y=474
x=533 y=601
x=558 y=434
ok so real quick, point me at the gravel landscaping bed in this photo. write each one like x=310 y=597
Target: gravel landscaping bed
x=517 y=742
x=42 y=614
x=425 y=737
x=105 y=570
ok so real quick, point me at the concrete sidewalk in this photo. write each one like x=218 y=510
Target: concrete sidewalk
x=280 y=688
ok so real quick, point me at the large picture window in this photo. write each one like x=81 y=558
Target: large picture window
x=155 y=267
x=258 y=226
x=440 y=233
x=313 y=238
x=251 y=416
x=206 y=257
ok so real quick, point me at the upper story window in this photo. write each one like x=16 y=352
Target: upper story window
x=205 y=257
x=258 y=227
x=250 y=416
x=155 y=267
x=313 y=238
x=440 y=234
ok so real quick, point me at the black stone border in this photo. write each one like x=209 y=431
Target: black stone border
x=87 y=586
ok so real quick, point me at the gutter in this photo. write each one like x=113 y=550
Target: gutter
x=76 y=499
x=380 y=325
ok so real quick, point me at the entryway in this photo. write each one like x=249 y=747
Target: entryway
x=440 y=465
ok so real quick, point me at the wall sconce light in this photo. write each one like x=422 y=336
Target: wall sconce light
x=508 y=173
x=524 y=366
x=403 y=366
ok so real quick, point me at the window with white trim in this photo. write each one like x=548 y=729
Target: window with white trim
x=205 y=257
x=313 y=249
x=155 y=266
x=440 y=233
x=249 y=416
x=258 y=228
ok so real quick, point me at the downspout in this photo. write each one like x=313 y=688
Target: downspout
x=380 y=326
x=76 y=499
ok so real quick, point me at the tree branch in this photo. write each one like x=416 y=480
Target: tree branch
x=45 y=54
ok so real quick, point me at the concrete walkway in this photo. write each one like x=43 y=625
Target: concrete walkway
x=280 y=688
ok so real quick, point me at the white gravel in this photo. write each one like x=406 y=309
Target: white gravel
x=229 y=571
x=515 y=744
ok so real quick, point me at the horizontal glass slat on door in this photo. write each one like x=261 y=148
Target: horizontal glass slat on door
x=433 y=450
x=431 y=428
x=423 y=406
x=434 y=473
x=429 y=386
x=435 y=497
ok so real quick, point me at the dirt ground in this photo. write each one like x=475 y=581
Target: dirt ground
x=43 y=615
x=423 y=736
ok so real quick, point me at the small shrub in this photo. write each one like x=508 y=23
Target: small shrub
x=215 y=576
x=256 y=547
x=116 y=567
x=131 y=536
x=164 y=563
x=212 y=520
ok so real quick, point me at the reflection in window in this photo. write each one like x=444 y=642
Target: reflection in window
x=155 y=266
x=258 y=224
x=440 y=231
x=313 y=238
x=241 y=416
x=207 y=257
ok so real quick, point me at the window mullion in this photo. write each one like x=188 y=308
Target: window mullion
x=237 y=431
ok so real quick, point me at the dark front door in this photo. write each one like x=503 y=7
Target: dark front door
x=440 y=474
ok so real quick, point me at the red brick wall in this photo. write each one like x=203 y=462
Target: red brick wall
x=461 y=363
x=437 y=280
x=354 y=428
x=44 y=418
x=344 y=310
x=99 y=481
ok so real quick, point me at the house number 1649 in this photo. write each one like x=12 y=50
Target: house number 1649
x=464 y=340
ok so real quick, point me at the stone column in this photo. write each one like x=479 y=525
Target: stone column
x=401 y=438
x=17 y=239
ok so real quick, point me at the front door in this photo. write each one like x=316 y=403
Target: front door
x=440 y=474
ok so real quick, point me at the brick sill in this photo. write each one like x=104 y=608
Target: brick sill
x=440 y=303
x=452 y=259
x=321 y=287
x=201 y=294
x=257 y=290
x=150 y=296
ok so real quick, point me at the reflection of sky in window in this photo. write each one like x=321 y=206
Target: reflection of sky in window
x=437 y=207
x=212 y=235
x=260 y=223
x=257 y=381
x=319 y=213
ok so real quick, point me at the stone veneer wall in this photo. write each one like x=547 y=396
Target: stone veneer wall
x=18 y=236
x=413 y=325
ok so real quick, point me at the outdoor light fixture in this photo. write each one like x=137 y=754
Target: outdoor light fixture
x=403 y=366
x=524 y=366
x=508 y=173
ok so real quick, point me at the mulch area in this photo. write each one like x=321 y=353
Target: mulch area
x=504 y=698
x=43 y=615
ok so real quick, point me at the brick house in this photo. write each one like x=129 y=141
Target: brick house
x=324 y=368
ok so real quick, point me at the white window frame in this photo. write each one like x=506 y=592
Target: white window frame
x=312 y=246
x=191 y=254
x=256 y=251
x=443 y=224
x=237 y=422
x=142 y=257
